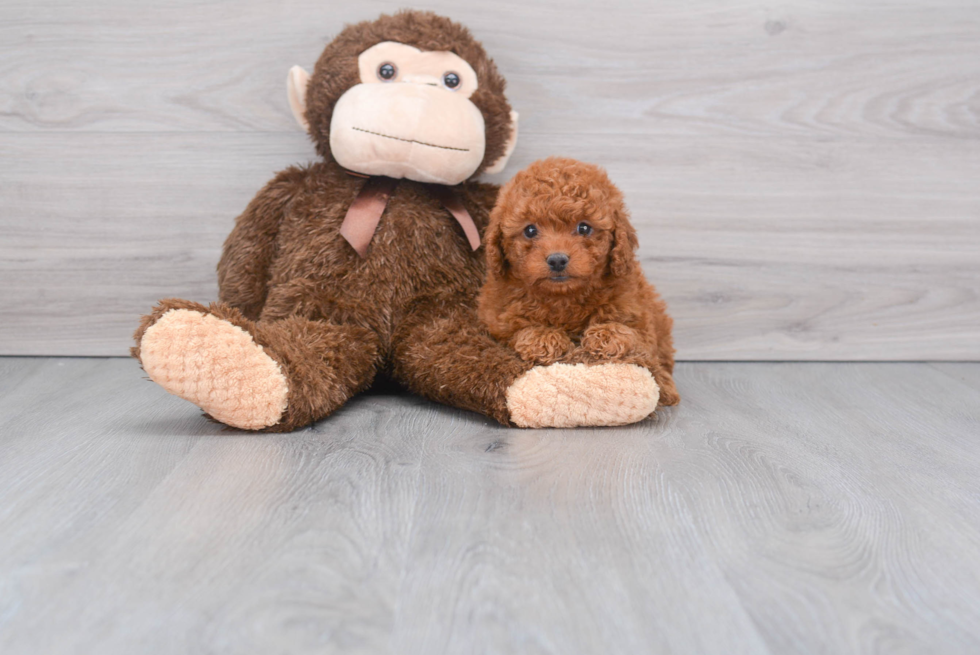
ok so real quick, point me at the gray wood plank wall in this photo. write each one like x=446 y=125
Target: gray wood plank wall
x=805 y=176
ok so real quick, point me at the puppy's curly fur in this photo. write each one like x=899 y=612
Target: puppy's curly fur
x=563 y=283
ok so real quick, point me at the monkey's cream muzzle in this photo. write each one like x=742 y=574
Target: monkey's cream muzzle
x=411 y=130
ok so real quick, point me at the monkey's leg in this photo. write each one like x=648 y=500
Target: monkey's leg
x=441 y=352
x=265 y=375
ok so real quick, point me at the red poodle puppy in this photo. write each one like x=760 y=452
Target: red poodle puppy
x=563 y=283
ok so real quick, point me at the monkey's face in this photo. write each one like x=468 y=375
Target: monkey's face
x=412 y=96
x=410 y=116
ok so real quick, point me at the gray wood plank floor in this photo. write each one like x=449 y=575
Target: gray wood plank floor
x=781 y=508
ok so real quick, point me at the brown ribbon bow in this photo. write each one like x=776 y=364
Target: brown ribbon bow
x=365 y=212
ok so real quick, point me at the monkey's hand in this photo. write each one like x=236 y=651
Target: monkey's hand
x=609 y=340
x=541 y=345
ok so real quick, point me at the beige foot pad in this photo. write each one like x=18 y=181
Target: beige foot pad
x=567 y=396
x=217 y=366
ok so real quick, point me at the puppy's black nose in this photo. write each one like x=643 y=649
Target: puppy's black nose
x=557 y=261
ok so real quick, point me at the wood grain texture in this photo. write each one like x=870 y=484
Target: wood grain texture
x=745 y=276
x=803 y=175
x=781 y=508
x=874 y=68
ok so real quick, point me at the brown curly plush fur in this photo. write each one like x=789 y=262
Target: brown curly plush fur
x=331 y=320
x=600 y=307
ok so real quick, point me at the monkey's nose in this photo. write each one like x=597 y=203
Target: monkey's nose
x=557 y=261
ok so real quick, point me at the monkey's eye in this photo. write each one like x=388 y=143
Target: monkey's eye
x=386 y=72
x=451 y=80
x=584 y=229
x=530 y=231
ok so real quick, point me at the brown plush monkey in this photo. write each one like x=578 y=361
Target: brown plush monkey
x=330 y=279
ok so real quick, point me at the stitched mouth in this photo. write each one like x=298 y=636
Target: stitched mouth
x=398 y=138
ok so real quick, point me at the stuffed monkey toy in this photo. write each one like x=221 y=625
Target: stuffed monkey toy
x=368 y=263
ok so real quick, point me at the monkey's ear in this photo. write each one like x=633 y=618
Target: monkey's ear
x=296 y=83
x=498 y=165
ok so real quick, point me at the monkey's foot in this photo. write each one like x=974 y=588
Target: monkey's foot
x=215 y=365
x=572 y=395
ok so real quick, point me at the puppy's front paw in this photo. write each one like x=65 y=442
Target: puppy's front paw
x=609 y=340
x=542 y=345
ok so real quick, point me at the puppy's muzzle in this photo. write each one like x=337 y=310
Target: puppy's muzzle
x=557 y=261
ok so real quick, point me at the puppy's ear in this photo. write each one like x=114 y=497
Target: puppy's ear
x=622 y=261
x=494 y=240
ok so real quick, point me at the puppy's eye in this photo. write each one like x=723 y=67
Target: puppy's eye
x=530 y=231
x=386 y=72
x=451 y=80
x=584 y=229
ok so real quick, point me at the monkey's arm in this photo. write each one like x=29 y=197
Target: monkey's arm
x=243 y=271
